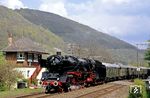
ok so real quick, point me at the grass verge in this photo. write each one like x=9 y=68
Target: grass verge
x=19 y=92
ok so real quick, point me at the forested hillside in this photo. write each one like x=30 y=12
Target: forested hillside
x=11 y=21
x=103 y=45
x=52 y=30
x=73 y=31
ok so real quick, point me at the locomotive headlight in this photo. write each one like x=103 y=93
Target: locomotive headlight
x=55 y=83
x=57 y=79
x=42 y=79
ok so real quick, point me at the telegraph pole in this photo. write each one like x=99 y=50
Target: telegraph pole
x=137 y=45
x=70 y=49
x=137 y=59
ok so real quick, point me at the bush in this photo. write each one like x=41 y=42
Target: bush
x=34 y=82
x=26 y=81
x=140 y=82
x=2 y=87
x=144 y=93
x=8 y=76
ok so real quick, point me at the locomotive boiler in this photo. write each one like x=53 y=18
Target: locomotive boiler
x=65 y=72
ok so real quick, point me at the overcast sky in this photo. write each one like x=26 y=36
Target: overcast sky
x=128 y=20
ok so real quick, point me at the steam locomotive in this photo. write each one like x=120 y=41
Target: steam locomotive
x=65 y=73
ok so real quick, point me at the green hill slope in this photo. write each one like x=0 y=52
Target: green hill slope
x=11 y=21
x=37 y=25
x=72 y=31
x=75 y=32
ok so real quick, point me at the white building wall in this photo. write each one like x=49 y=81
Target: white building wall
x=27 y=72
x=40 y=74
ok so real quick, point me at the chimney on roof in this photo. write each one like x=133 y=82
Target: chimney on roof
x=10 y=39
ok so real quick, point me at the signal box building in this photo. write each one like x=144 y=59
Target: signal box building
x=25 y=54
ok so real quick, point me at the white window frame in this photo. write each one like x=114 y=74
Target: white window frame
x=20 y=57
x=35 y=57
x=30 y=57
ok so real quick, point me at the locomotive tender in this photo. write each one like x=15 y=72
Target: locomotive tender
x=65 y=73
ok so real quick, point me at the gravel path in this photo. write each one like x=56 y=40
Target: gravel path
x=120 y=93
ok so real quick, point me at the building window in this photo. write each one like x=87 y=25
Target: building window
x=29 y=57
x=28 y=73
x=20 y=57
x=35 y=57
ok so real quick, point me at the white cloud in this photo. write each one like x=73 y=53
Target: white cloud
x=13 y=4
x=116 y=1
x=121 y=18
x=115 y=17
x=54 y=6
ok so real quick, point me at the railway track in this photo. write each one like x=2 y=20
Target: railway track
x=101 y=92
x=93 y=94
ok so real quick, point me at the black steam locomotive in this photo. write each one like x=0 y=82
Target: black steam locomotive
x=65 y=73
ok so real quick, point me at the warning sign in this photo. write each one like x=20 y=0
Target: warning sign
x=136 y=90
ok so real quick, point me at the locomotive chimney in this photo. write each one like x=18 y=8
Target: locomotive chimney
x=10 y=39
x=58 y=53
